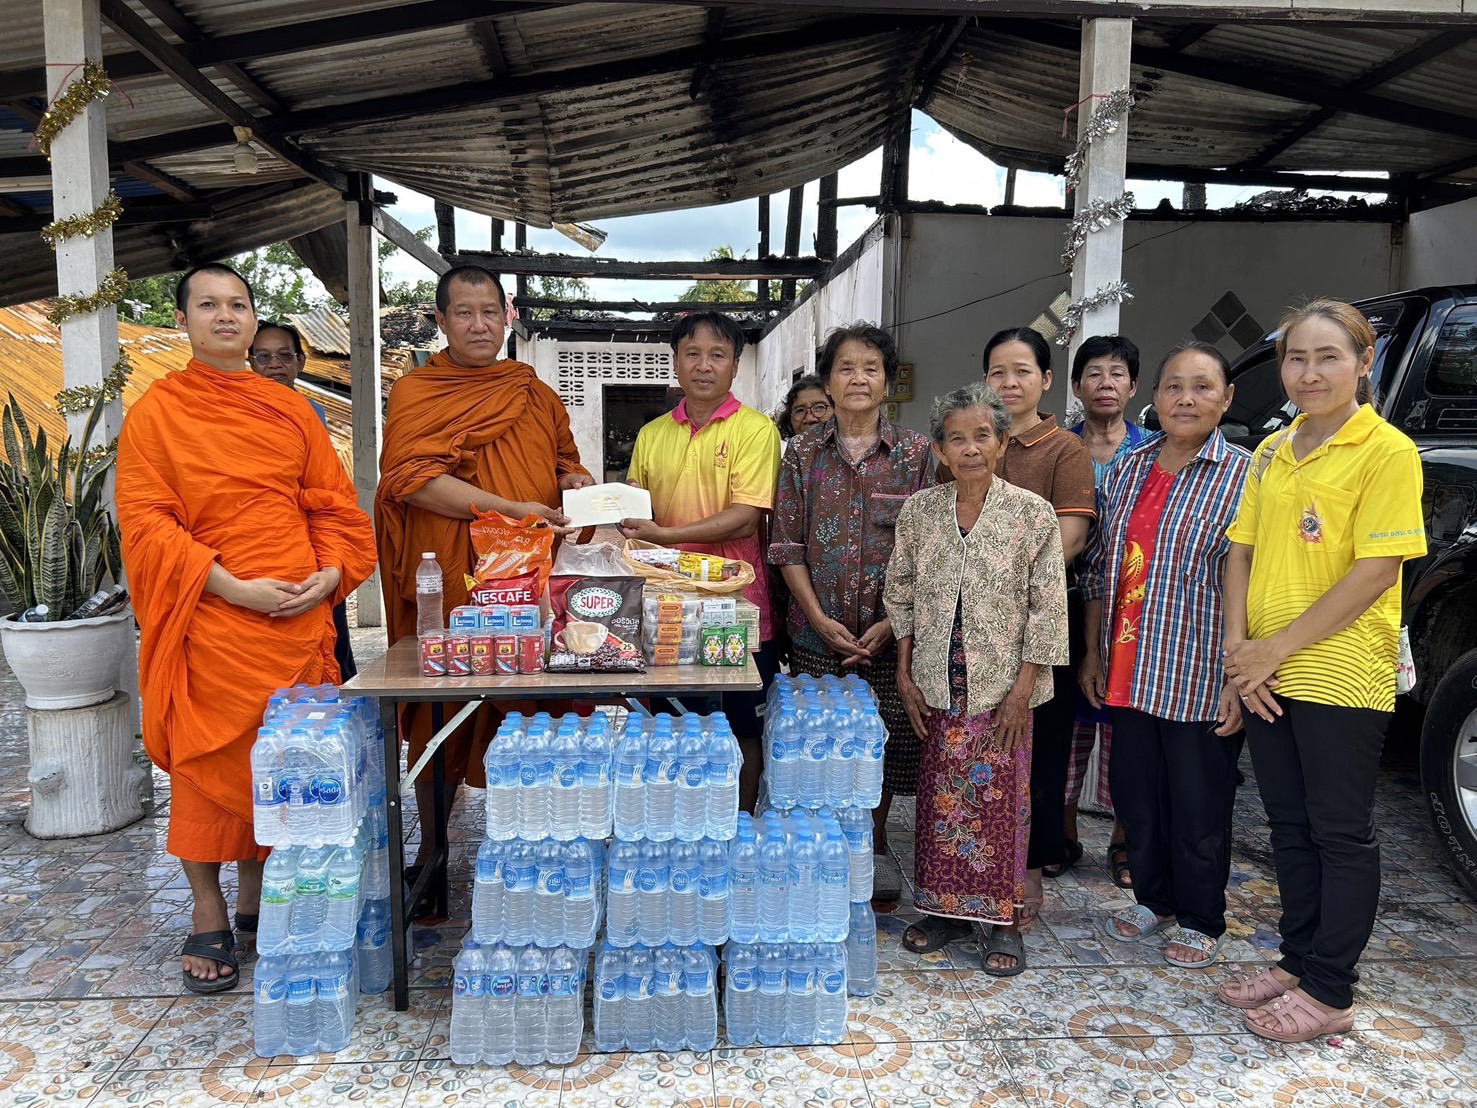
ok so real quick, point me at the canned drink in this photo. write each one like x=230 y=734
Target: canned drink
x=465 y=617
x=482 y=663
x=496 y=617
x=433 y=654
x=505 y=654
x=531 y=654
x=458 y=655
x=525 y=618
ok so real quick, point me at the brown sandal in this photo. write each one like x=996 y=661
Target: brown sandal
x=1296 y=1019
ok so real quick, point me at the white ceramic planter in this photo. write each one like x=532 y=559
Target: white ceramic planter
x=70 y=663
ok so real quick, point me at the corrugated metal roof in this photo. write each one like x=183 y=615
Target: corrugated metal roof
x=324 y=331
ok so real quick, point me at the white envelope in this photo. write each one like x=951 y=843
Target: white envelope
x=608 y=503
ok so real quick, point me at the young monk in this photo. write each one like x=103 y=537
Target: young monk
x=235 y=559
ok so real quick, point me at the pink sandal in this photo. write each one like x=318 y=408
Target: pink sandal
x=1296 y=1019
x=1252 y=989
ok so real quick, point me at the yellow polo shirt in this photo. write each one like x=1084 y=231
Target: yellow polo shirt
x=695 y=473
x=1356 y=496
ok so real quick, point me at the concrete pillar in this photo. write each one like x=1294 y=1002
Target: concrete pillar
x=1107 y=47
x=79 y=184
x=364 y=362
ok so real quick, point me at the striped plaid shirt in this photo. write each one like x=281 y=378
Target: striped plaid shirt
x=1178 y=673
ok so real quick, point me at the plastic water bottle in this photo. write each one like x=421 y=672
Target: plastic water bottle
x=341 y=915
x=336 y=1000
x=565 y=1018
x=871 y=746
x=504 y=787
x=667 y=999
x=712 y=861
x=468 y=1004
x=429 y=613
x=297 y=773
x=537 y=777
x=301 y=1019
x=639 y=1011
x=520 y=884
x=595 y=799
x=581 y=909
x=269 y=1010
x=500 y=1019
x=813 y=758
x=310 y=899
x=685 y=885
x=861 y=951
x=782 y=768
x=279 y=888
x=835 y=871
x=692 y=780
x=548 y=896
x=656 y=877
x=805 y=888
x=800 y=993
x=630 y=787
x=661 y=783
x=774 y=879
x=530 y=1032
x=841 y=756
x=610 y=991
x=333 y=788
x=564 y=796
x=376 y=884
x=723 y=783
x=743 y=885
x=269 y=802
x=622 y=914
x=770 y=1014
x=373 y=950
x=857 y=826
x=830 y=993
x=487 y=892
x=699 y=982
x=741 y=996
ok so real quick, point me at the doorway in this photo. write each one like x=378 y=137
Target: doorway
x=628 y=408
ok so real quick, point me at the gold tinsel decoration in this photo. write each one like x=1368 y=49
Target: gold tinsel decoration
x=113 y=288
x=81 y=398
x=91 y=84
x=85 y=226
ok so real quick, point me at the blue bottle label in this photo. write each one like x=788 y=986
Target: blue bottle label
x=609 y=988
x=580 y=887
x=698 y=981
x=774 y=879
x=300 y=990
x=695 y=776
x=502 y=985
x=650 y=879
x=668 y=983
x=681 y=879
x=561 y=984
x=742 y=980
x=639 y=988
x=744 y=879
x=333 y=988
x=328 y=790
x=284 y=789
x=528 y=774
x=568 y=777
x=532 y=984
x=623 y=881
x=773 y=979
x=476 y=986
x=551 y=882
x=270 y=989
x=834 y=983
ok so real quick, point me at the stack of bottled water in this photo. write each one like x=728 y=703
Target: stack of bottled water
x=824 y=742
x=663 y=998
x=548 y=893
x=517 y=1004
x=676 y=779
x=784 y=993
x=659 y=892
x=790 y=879
x=548 y=780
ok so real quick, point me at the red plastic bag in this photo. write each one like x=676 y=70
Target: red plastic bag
x=509 y=549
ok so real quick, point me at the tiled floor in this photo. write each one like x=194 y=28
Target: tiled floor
x=91 y=1009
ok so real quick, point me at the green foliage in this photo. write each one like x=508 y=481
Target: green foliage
x=554 y=288
x=719 y=292
x=150 y=301
x=58 y=542
x=282 y=283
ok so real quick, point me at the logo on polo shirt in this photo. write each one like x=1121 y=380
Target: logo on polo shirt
x=1310 y=527
x=720 y=456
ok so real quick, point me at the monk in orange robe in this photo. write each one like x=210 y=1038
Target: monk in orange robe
x=241 y=530
x=469 y=429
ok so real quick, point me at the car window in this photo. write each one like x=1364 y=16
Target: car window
x=1259 y=407
x=1453 y=368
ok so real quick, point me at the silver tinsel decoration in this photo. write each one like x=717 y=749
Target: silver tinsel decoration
x=1097 y=216
x=1116 y=293
x=1112 y=109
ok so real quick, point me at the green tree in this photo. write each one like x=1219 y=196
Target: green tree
x=719 y=292
x=406 y=293
x=280 y=281
x=150 y=301
x=554 y=288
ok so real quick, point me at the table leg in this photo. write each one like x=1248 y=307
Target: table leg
x=441 y=816
x=394 y=823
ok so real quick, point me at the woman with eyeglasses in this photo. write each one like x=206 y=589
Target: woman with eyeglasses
x=806 y=405
x=840 y=489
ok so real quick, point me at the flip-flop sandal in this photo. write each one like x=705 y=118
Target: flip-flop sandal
x=938 y=931
x=1194 y=940
x=1252 y=989
x=1119 y=871
x=1074 y=855
x=1007 y=943
x=1136 y=916
x=1296 y=1019
x=1030 y=912
x=217 y=947
x=248 y=924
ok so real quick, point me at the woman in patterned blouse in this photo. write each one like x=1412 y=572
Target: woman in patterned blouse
x=840 y=489
x=977 y=593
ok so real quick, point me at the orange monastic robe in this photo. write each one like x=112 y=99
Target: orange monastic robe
x=497 y=427
x=229 y=468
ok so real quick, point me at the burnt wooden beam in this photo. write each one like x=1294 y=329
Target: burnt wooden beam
x=520 y=243
x=763 y=288
x=139 y=150
x=492 y=48
x=497 y=235
x=445 y=227
x=893 y=192
x=1187 y=36
x=826 y=242
x=135 y=214
x=167 y=13
x=541 y=303
x=792 y=236
x=716 y=269
x=939 y=52
x=403 y=237
x=712 y=36
x=165 y=182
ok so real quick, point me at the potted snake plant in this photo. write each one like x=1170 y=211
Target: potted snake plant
x=59 y=548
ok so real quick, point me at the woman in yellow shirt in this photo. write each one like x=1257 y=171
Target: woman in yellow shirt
x=1331 y=508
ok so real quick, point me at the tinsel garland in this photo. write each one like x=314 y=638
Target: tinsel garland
x=1112 y=109
x=85 y=226
x=91 y=84
x=1097 y=216
x=1115 y=293
x=113 y=288
x=81 y=398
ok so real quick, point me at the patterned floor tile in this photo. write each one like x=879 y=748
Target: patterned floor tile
x=197 y=1032
x=168 y=1087
x=816 y=1077
x=440 y=1084
x=1393 y=1067
x=1184 y=997
x=1038 y=1003
x=918 y=1006
x=650 y=1080
x=57 y=1079
x=1205 y=1070
x=371 y=1084
x=942 y=1073
x=1087 y=1072
x=893 y=952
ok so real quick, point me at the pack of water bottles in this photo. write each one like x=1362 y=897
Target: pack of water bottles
x=517 y=1004
x=676 y=778
x=547 y=894
x=664 y=998
x=856 y=829
x=304 y=1003
x=550 y=780
x=315 y=765
x=668 y=892
x=784 y=994
x=824 y=742
x=789 y=879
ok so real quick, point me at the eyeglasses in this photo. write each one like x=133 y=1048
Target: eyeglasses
x=274 y=359
x=821 y=409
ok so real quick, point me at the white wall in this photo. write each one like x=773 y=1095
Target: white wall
x=1441 y=246
x=992 y=265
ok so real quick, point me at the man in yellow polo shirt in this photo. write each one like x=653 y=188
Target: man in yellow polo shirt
x=711 y=466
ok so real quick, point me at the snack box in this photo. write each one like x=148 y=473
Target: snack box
x=465 y=617
x=719 y=611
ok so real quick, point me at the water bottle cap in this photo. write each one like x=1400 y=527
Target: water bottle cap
x=428 y=554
